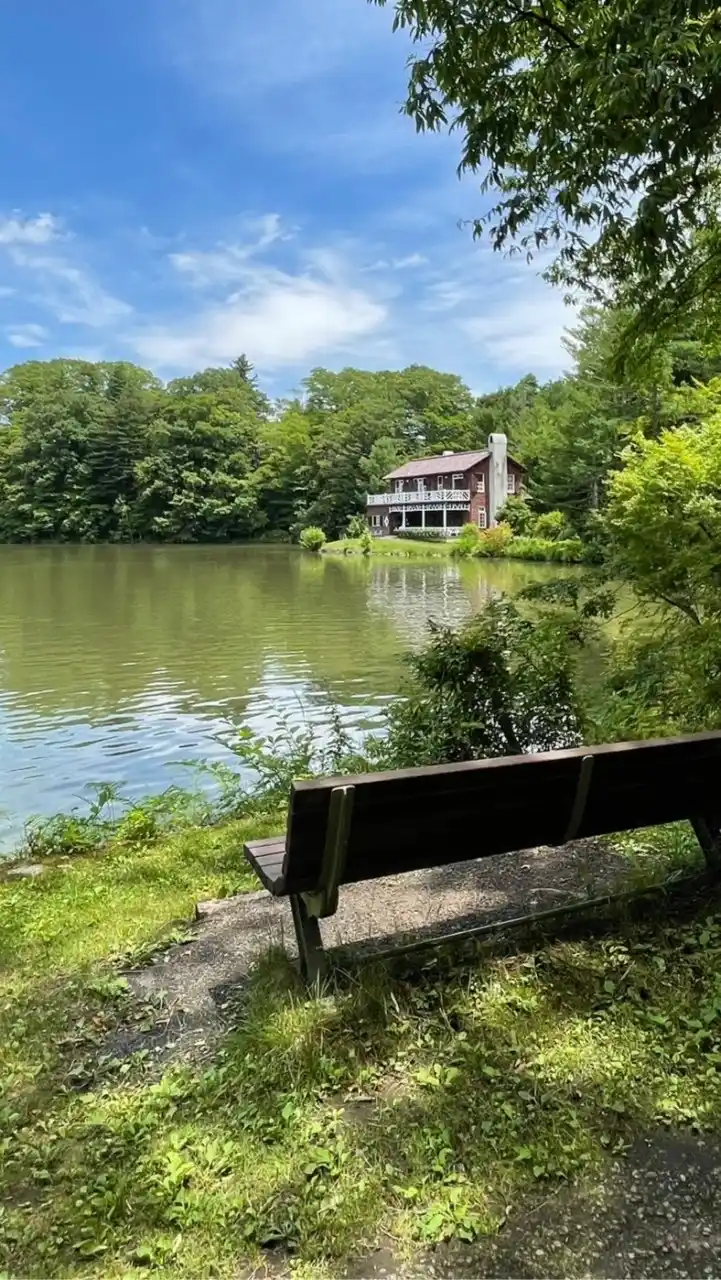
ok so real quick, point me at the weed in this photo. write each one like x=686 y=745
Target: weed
x=486 y=1076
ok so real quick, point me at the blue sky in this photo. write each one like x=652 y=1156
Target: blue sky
x=184 y=180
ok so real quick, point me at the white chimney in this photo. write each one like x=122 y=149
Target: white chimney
x=498 y=475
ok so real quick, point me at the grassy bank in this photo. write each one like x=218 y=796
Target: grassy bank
x=416 y=1103
x=400 y=548
x=539 y=550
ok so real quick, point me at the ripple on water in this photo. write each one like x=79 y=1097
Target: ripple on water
x=122 y=664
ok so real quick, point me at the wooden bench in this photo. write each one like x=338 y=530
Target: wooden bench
x=344 y=830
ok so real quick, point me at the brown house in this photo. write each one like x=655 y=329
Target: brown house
x=446 y=491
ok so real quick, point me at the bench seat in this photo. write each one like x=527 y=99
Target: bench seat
x=350 y=829
x=266 y=857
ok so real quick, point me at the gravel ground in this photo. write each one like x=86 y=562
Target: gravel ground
x=195 y=979
x=657 y=1213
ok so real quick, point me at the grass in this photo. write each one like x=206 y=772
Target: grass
x=403 y=548
x=419 y=1101
x=543 y=550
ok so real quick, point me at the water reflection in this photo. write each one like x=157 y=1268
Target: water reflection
x=121 y=663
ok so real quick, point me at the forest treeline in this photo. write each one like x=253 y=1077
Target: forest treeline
x=107 y=452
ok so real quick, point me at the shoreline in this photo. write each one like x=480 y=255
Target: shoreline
x=528 y=550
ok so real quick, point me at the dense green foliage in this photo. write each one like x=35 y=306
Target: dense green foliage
x=312 y=538
x=596 y=127
x=105 y=452
x=548 y=550
x=664 y=538
x=501 y=685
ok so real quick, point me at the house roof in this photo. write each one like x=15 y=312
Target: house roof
x=438 y=466
x=442 y=465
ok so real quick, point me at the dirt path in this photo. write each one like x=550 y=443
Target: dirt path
x=656 y=1213
x=194 y=980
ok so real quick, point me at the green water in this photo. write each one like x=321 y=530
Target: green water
x=119 y=663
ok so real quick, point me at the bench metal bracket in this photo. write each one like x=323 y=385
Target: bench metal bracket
x=323 y=901
x=309 y=908
x=313 y=960
x=708 y=834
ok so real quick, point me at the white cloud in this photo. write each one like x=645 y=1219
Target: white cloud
x=19 y=230
x=67 y=290
x=451 y=294
x=278 y=318
x=412 y=260
x=383 y=298
x=76 y=298
x=228 y=263
x=53 y=276
x=27 y=335
x=524 y=333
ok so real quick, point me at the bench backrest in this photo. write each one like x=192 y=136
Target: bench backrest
x=410 y=819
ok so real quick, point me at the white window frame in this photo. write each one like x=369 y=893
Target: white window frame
x=482 y=518
x=421 y=484
x=439 y=482
x=458 y=475
x=511 y=482
x=375 y=520
x=398 y=486
x=481 y=483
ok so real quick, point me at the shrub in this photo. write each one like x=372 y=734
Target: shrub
x=565 y=551
x=503 y=684
x=467 y=542
x=570 y=551
x=312 y=538
x=517 y=514
x=494 y=542
x=366 y=542
x=421 y=535
x=357 y=526
x=552 y=524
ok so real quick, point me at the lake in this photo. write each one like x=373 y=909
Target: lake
x=119 y=663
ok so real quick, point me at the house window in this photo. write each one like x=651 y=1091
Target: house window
x=459 y=480
x=398 y=486
x=439 y=482
x=511 y=482
x=421 y=483
x=482 y=518
x=480 y=484
x=375 y=521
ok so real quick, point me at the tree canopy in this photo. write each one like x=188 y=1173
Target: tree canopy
x=664 y=514
x=106 y=452
x=596 y=129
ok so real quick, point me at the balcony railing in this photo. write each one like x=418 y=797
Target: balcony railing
x=414 y=496
x=451 y=530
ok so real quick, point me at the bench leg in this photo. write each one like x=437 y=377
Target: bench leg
x=313 y=961
x=708 y=834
